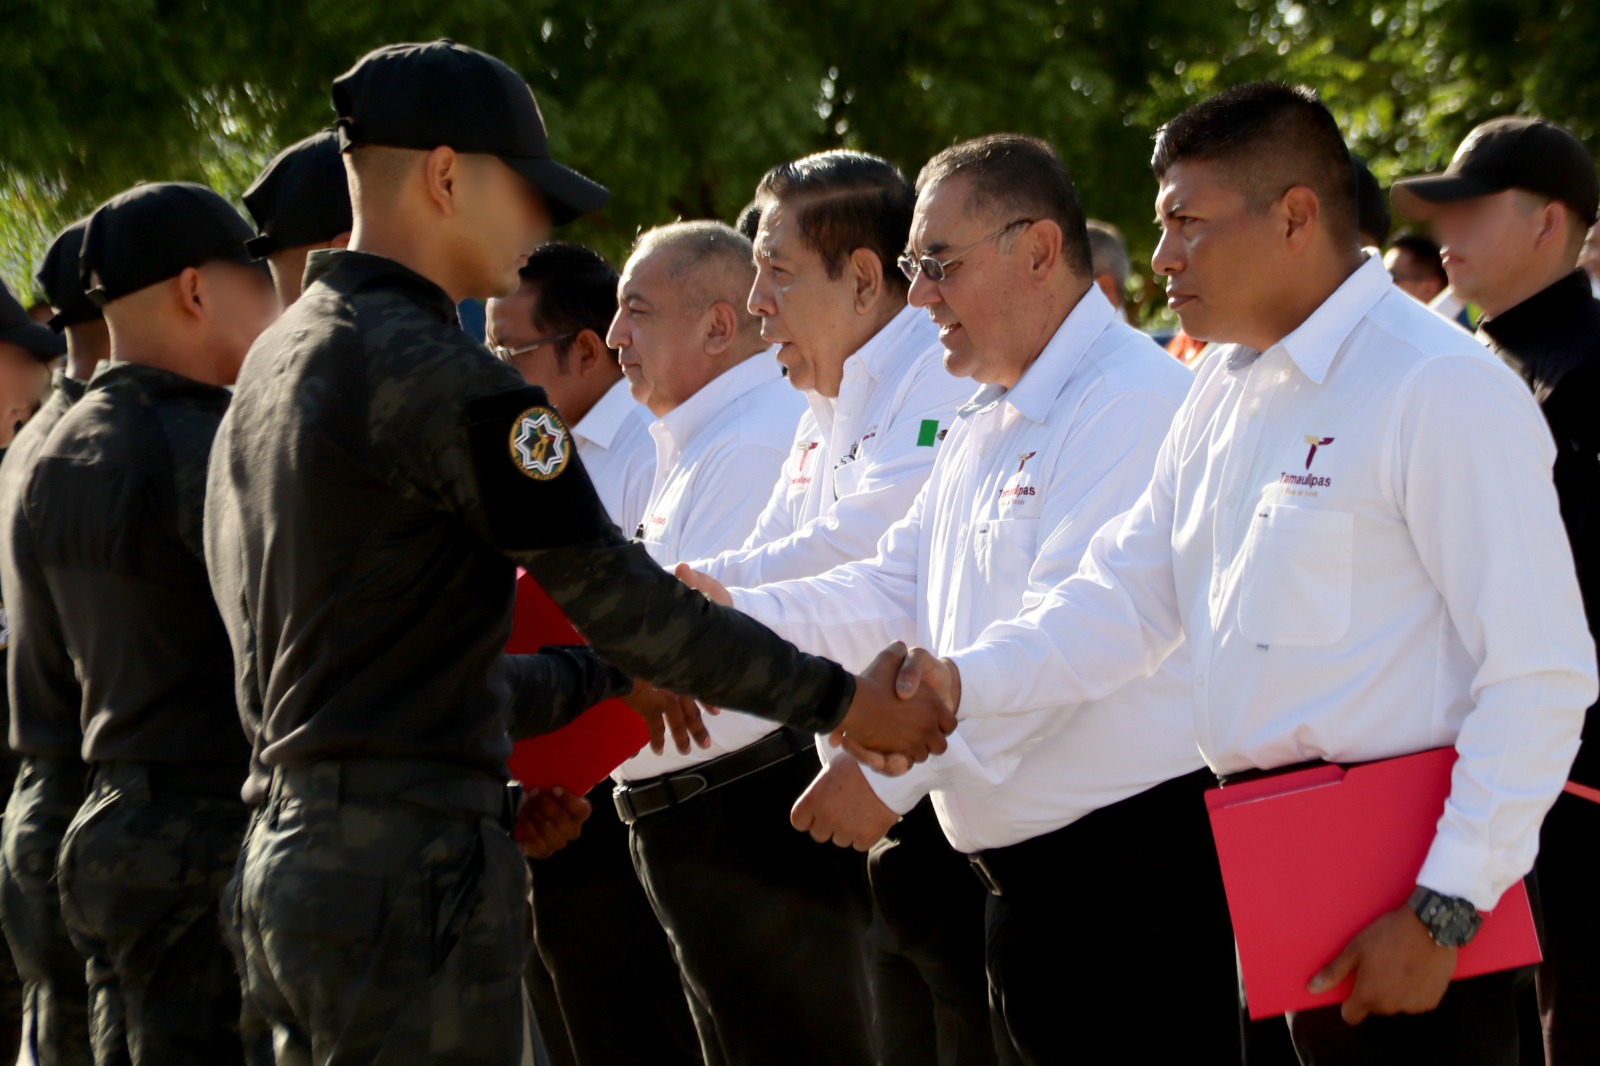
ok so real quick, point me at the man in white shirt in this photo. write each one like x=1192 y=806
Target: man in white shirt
x=872 y=372
x=1080 y=819
x=1353 y=526
x=766 y=925
x=592 y=923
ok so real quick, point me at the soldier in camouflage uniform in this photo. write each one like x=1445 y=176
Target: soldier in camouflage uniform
x=114 y=505
x=45 y=700
x=24 y=347
x=373 y=489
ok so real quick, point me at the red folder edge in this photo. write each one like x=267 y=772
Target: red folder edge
x=1309 y=859
x=582 y=753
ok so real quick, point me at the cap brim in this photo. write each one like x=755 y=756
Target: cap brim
x=42 y=343
x=1419 y=198
x=569 y=193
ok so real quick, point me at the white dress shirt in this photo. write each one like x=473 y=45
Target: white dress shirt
x=1357 y=532
x=857 y=461
x=716 y=453
x=1024 y=480
x=618 y=452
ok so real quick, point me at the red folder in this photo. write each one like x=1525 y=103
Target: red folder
x=1310 y=858
x=580 y=754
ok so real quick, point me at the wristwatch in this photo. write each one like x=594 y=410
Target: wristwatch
x=1451 y=922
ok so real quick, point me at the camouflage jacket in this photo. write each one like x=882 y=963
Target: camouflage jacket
x=115 y=504
x=41 y=683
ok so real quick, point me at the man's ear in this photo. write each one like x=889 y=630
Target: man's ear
x=442 y=176
x=587 y=353
x=1041 y=244
x=191 y=292
x=721 y=326
x=1299 y=211
x=866 y=271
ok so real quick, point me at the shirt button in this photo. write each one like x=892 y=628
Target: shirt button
x=1200 y=681
x=1233 y=500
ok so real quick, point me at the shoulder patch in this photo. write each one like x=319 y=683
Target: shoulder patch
x=539 y=443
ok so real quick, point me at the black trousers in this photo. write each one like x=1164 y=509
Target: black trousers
x=1474 y=1025
x=1569 y=886
x=768 y=926
x=930 y=994
x=596 y=939
x=1113 y=931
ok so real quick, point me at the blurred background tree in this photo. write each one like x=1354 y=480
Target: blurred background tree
x=680 y=105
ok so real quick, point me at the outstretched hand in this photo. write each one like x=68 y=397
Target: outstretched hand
x=713 y=589
x=666 y=712
x=549 y=821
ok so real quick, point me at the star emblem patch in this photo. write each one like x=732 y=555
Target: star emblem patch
x=540 y=446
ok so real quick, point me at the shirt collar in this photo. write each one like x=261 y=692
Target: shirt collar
x=1313 y=344
x=350 y=272
x=873 y=361
x=1035 y=392
x=681 y=423
x=605 y=419
x=1539 y=315
x=147 y=383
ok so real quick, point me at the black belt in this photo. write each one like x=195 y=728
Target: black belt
x=636 y=799
x=1241 y=776
x=217 y=780
x=442 y=787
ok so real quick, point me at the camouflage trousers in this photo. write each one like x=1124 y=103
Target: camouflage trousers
x=55 y=997
x=384 y=913
x=142 y=871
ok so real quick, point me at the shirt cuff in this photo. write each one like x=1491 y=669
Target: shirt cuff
x=902 y=793
x=980 y=677
x=1457 y=868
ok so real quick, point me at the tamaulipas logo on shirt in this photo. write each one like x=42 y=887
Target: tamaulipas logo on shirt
x=1308 y=480
x=540 y=447
x=1012 y=492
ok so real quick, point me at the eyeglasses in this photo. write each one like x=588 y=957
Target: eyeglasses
x=505 y=355
x=939 y=269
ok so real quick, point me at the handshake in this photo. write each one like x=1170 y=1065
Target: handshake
x=904 y=706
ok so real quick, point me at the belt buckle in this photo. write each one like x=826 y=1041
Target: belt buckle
x=619 y=797
x=985 y=875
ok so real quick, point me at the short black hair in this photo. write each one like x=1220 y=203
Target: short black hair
x=845 y=200
x=1018 y=175
x=1270 y=137
x=749 y=220
x=1425 y=250
x=1372 y=206
x=577 y=291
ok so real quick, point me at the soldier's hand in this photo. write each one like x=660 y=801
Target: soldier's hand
x=841 y=807
x=549 y=821
x=666 y=712
x=713 y=589
x=888 y=732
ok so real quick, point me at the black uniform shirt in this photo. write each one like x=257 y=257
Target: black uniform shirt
x=42 y=684
x=116 y=505
x=1553 y=340
x=377 y=481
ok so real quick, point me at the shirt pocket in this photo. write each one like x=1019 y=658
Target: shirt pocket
x=1006 y=549
x=1296 y=579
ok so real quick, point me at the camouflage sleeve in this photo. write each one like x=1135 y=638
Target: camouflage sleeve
x=501 y=458
x=553 y=687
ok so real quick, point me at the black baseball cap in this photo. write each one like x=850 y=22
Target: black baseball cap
x=157 y=231
x=58 y=276
x=17 y=328
x=301 y=198
x=1508 y=153
x=426 y=95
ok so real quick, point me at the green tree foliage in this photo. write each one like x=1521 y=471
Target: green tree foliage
x=679 y=105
